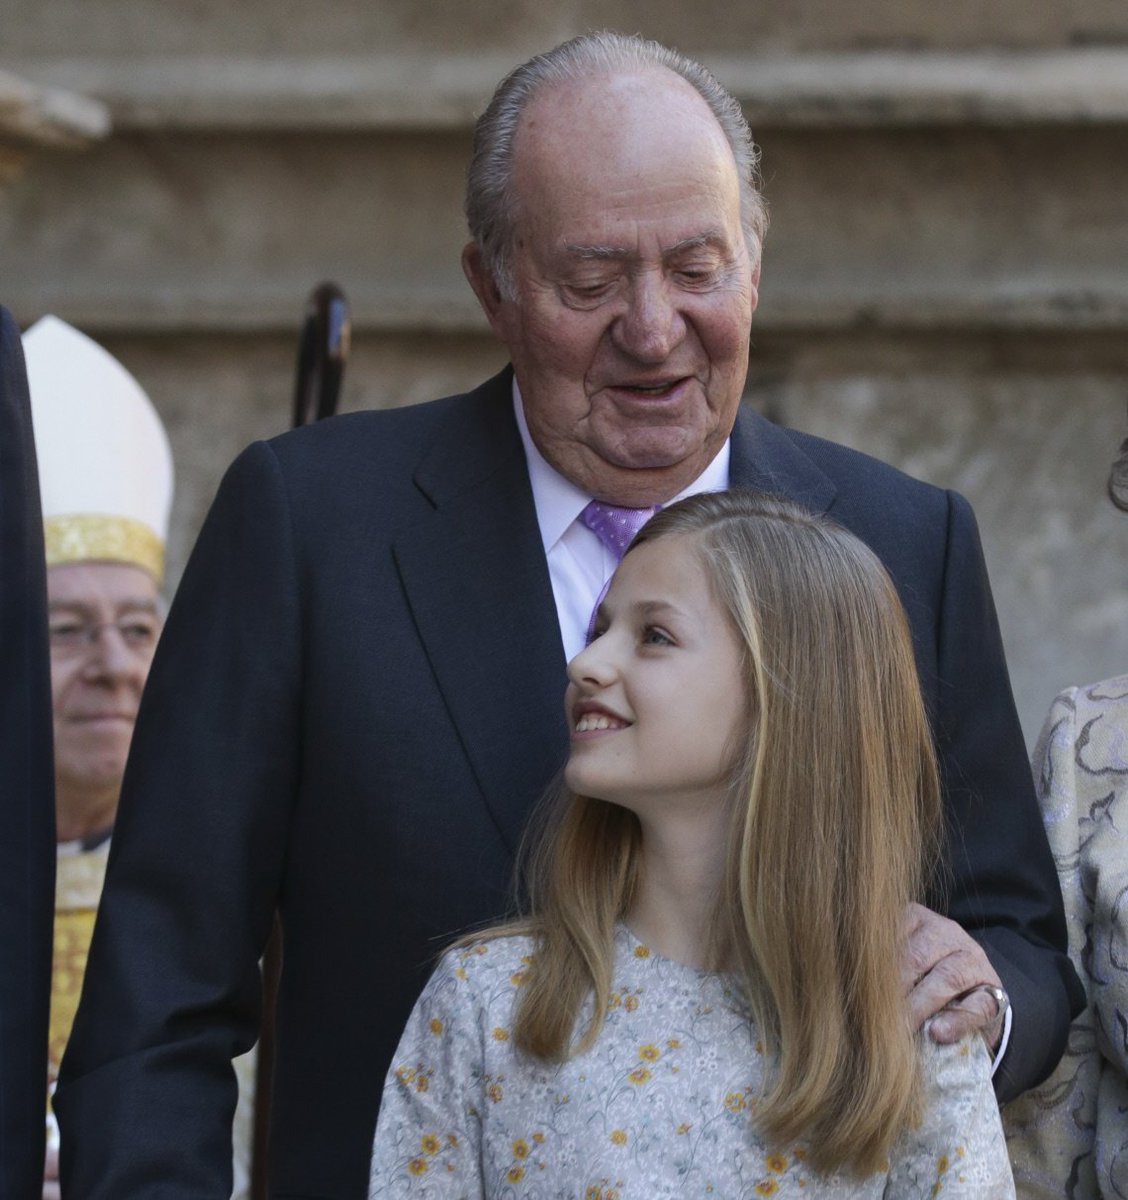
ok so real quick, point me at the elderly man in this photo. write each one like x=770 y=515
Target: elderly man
x=358 y=698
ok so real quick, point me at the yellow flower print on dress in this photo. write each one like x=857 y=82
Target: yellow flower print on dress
x=734 y=1102
x=642 y=952
x=776 y=1163
x=649 y=1052
x=619 y=1137
x=436 y=1027
x=767 y=1187
x=515 y=1174
x=630 y=1003
x=430 y=1144
x=520 y=1148
x=500 y=1035
x=639 y=1075
x=417 y=1166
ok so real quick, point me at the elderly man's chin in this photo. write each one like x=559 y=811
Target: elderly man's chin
x=640 y=467
x=657 y=436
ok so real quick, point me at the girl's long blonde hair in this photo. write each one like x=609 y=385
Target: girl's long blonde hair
x=835 y=823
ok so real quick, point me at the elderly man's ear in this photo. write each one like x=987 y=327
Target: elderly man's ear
x=484 y=284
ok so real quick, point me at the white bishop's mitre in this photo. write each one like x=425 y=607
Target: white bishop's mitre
x=105 y=467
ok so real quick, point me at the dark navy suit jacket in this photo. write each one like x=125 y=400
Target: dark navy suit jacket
x=356 y=700
x=27 y=781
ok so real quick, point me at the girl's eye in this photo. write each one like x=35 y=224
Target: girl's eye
x=653 y=636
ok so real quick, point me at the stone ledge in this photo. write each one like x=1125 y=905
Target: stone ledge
x=1076 y=309
x=32 y=114
x=436 y=93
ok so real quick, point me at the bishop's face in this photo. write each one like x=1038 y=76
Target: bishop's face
x=104 y=620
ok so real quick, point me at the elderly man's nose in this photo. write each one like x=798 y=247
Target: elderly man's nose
x=110 y=654
x=652 y=325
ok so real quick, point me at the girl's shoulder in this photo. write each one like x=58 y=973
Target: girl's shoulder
x=967 y=1061
x=956 y=1078
x=958 y=1149
x=481 y=966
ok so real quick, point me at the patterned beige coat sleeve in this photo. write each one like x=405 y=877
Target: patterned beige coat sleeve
x=1069 y=1137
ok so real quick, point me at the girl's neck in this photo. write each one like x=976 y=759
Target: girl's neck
x=680 y=870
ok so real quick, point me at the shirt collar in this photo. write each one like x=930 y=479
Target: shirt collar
x=559 y=502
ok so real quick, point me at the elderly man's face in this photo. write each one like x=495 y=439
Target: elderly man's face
x=104 y=621
x=634 y=285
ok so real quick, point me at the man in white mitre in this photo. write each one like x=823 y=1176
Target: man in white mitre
x=106 y=479
x=106 y=484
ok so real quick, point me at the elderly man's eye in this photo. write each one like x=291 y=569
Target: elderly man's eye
x=138 y=634
x=67 y=633
x=698 y=276
x=589 y=293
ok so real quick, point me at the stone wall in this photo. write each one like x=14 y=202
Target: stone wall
x=943 y=280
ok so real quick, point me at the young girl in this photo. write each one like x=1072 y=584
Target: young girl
x=705 y=998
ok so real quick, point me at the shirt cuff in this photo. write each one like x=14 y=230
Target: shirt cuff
x=1004 y=1041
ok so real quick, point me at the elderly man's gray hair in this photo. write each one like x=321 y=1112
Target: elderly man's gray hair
x=490 y=203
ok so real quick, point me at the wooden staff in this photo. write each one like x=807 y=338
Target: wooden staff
x=323 y=350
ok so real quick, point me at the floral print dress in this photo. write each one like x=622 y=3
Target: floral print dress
x=661 y=1106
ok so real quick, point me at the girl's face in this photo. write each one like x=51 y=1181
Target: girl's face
x=656 y=701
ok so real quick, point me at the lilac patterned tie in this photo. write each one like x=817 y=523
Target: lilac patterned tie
x=615 y=526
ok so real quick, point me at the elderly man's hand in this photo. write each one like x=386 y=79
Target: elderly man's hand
x=946 y=975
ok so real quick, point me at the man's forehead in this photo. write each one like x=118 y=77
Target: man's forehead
x=620 y=114
x=716 y=239
x=99 y=585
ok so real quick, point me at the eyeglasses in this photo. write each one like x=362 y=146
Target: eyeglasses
x=72 y=638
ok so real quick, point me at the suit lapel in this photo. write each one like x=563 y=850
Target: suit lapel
x=766 y=459
x=477 y=582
